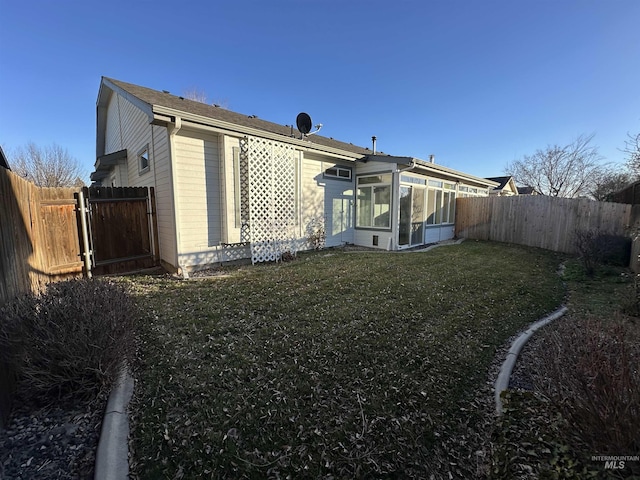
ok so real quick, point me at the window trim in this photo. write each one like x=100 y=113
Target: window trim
x=388 y=184
x=338 y=169
x=140 y=157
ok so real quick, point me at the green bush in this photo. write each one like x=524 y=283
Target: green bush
x=69 y=341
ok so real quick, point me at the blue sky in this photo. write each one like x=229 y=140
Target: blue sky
x=477 y=83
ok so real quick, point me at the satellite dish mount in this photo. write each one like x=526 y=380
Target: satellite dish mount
x=303 y=122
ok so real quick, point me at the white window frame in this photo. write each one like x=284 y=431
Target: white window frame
x=386 y=181
x=144 y=157
x=338 y=172
x=442 y=190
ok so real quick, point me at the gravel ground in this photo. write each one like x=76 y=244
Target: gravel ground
x=51 y=443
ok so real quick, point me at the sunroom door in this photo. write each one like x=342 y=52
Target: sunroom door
x=404 y=232
x=417 y=215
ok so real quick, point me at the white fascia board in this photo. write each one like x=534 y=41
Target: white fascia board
x=211 y=124
x=107 y=89
x=104 y=94
x=144 y=106
x=455 y=174
x=434 y=168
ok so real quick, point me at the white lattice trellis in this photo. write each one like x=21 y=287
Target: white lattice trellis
x=268 y=203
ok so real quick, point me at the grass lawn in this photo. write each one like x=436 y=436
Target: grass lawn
x=335 y=365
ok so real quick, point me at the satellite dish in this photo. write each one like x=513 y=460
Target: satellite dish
x=303 y=122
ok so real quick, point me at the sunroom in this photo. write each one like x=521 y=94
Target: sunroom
x=405 y=202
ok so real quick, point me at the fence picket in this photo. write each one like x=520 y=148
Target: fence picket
x=537 y=220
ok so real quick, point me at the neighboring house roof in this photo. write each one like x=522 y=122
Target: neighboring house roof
x=502 y=181
x=527 y=191
x=156 y=103
x=503 y=184
x=3 y=160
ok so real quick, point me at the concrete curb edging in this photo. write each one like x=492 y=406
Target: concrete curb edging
x=444 y=243
x=112 y=456
x=502 y=383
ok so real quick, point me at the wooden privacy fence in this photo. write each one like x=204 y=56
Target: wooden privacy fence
x=41 y=235
x=630 y=195
x=122 y=228
x=38 y=235
x=537 y=220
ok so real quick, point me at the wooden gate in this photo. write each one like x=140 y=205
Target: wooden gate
x=121 y=231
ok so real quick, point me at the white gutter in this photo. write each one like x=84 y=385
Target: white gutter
x=410 y=167
x=220 y=126
x=173 y=128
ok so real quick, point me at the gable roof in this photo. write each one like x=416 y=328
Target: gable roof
x=527 y=191
x=156 y=102
x=503 y=181
x=4 y=163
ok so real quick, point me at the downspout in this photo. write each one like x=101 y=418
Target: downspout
x=85 y=233
x=173 y=129
x=410 y=167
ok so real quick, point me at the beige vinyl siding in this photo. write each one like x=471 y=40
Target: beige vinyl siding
x=113 y=133
x=164 y=201
x=197 y=169
x=311 y=195
x=127 y=127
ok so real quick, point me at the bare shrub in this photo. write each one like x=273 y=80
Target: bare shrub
x=589 y=370
x=68 y=342
x=594 y=248
x=631 y=306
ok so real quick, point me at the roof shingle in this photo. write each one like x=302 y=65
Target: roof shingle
x=164 y=99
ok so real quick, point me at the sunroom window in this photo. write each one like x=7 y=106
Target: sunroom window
x=441 y=203
x=373 y=201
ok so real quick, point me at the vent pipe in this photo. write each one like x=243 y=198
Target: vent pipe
x=373 y=141
x=432 y=158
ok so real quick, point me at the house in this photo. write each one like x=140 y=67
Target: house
x=527 y=191
x=4 y=163
x=506 y=186
x=231 y=186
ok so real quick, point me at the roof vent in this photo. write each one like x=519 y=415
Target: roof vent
x=432 y=158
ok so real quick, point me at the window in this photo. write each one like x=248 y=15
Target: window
x=340 y=173
x=373 y=201
x=441 y=203
x=412 y=179
x=143 y=160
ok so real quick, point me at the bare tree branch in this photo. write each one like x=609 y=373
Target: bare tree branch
x=608 y=181
x=195 y=94
x=50 y=166
x=559 y=171
x=632 y=149
x=198 y=95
